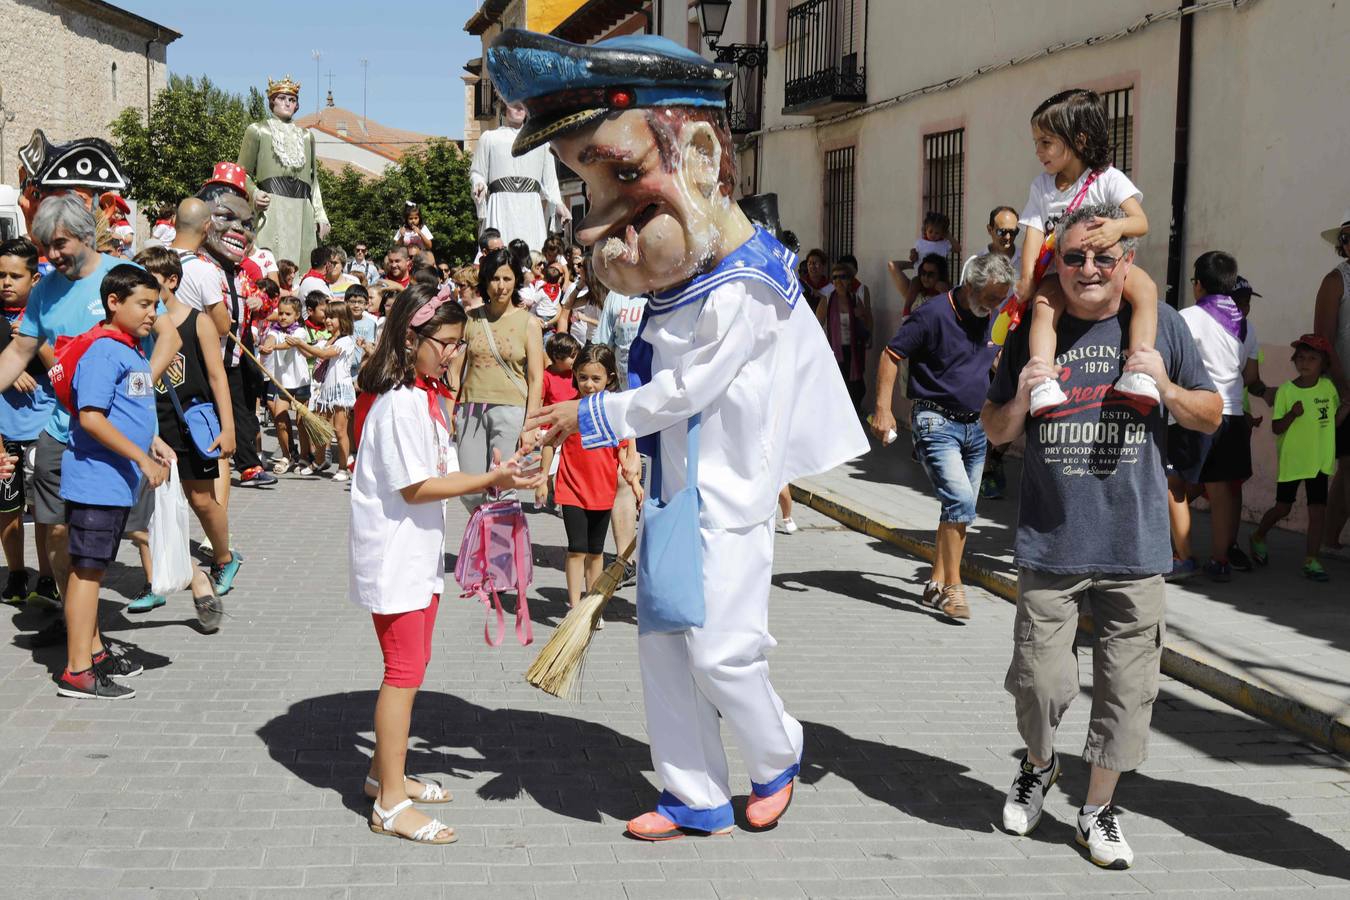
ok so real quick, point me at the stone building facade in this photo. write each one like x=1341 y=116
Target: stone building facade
x=70 y=67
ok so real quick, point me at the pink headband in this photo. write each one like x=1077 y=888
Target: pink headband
x=424 y=313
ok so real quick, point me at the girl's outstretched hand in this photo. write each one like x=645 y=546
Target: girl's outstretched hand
x=521 y=472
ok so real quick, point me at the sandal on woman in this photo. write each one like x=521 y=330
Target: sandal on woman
x=427 y=834
x=432 y=792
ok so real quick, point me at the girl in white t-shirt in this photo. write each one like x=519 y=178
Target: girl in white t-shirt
x=413 y=234
x=1073 y=144
x=288 y=366
x=405 y=471
x=334 y=390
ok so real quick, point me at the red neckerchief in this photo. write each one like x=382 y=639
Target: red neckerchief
x=551 y=290
x=402 y=282
x=314 y=273
x=309 y=323
x=435 y=390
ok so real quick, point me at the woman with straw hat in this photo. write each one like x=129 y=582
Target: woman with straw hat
x=1331 y=320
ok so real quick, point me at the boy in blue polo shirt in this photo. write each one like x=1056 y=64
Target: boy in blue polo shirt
x=101 y=470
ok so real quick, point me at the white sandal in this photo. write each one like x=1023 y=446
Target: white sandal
x=432 y=792
x=424 y=835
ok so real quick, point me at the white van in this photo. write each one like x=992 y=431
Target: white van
x=11 y=217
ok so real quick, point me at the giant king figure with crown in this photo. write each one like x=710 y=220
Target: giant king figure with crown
x=283 y=178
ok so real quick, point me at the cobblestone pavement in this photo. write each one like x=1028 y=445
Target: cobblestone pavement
x=237 y=770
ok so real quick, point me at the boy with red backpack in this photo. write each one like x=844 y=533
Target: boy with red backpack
x=103 y=378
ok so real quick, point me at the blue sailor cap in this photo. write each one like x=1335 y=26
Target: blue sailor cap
x=565 y=86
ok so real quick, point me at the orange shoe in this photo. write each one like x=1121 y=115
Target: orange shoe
x=763 y=812
x=653 y=826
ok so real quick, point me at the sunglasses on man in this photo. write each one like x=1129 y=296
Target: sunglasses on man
x=1007 y=232
x=1076 y=259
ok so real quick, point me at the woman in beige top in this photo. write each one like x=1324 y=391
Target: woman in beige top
x=497 y=389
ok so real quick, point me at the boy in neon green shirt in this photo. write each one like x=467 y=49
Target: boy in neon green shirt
x=1304 y=421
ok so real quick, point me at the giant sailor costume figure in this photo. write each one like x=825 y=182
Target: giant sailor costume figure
x=737 y=387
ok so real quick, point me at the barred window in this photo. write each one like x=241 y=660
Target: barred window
x=944 y=183
x=1120 y=125
x=839 y=202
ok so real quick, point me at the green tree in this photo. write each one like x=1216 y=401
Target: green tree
x=193 y=125
x=370 y=209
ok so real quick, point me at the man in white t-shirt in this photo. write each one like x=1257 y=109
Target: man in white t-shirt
x=202 y=286
x=325 y=267
x=1229 y=349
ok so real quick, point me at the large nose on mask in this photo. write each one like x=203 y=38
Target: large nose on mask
x=601 y=220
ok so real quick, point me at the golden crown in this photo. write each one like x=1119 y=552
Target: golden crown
x=285 y=86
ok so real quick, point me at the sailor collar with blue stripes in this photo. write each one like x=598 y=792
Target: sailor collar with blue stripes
x=760 y=259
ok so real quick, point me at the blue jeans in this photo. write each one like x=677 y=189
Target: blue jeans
x=952 y=454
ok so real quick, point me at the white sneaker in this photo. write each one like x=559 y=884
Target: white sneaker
x=1026 y=797
x=789 y=526
x=1139 y=386
x=340 y=476
x=1100 y=833
x=1046 y=395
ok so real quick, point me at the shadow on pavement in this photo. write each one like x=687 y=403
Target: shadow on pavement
x=568 y=766
x=891 y=591
x=939 y=791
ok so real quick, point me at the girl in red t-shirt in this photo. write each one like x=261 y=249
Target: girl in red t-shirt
x=588 y=479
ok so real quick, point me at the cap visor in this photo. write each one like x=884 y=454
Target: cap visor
x=538 y=131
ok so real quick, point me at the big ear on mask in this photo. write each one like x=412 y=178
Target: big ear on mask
x=702 y=155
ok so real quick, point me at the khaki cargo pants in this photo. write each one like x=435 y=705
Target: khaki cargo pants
x=1043 y=677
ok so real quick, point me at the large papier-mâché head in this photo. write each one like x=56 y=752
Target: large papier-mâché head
x=643 y=122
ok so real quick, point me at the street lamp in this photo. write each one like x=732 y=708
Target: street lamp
x=713 y=14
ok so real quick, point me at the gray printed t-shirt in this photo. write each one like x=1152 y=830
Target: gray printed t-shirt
x=1094 y=495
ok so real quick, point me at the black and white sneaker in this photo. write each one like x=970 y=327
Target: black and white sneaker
x=1026 y=797
x=91 y=684
x=116 y=665
x=210 y=610
x=45 y=594
x=1099 y=832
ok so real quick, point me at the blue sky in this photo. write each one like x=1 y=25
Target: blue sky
x=416 y=52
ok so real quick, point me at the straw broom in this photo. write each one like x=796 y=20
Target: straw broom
x=557 y=668
x=320 y=433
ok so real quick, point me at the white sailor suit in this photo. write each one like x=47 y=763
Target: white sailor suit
x=737 y=346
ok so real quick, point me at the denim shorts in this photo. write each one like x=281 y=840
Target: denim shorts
x=952 y=454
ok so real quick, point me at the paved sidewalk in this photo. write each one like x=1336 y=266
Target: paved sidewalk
x=1270 y=641
x=236 y=772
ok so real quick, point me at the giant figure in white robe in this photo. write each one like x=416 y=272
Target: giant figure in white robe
x=726 y=342
x=517 y=195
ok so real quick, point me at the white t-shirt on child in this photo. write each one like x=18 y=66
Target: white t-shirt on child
x=397 y=549
x=1046 y=204
x=286 y=364
x=942 y=248
x=1224 y=355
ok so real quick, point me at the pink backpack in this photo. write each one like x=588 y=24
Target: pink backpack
x=496 y=555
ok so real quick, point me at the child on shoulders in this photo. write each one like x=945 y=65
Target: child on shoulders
x=934 y=238
x=1073 y=144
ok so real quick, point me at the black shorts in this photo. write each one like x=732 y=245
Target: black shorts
x=13 y=498
x=1225 y=455
x=95 y=532
x=1314 y=489
x=192 y=466
x=586 y=529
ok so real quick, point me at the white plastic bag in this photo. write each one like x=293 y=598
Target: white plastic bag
x=170 y=556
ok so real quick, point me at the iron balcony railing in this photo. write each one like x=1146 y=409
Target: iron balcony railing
x=484 y=98
x=826 y=40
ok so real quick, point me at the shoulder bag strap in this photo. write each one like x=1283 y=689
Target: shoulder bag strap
x=496 y=354
x=524 y=628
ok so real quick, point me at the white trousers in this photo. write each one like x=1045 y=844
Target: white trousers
x=689 y=677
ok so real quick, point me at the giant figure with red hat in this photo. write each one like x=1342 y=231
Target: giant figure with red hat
x=738 y=394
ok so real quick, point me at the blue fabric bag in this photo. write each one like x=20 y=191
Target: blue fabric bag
x=199 y=421
x=670 y=552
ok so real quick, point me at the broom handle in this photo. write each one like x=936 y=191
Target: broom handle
x=629 y=551
x=266 y=374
